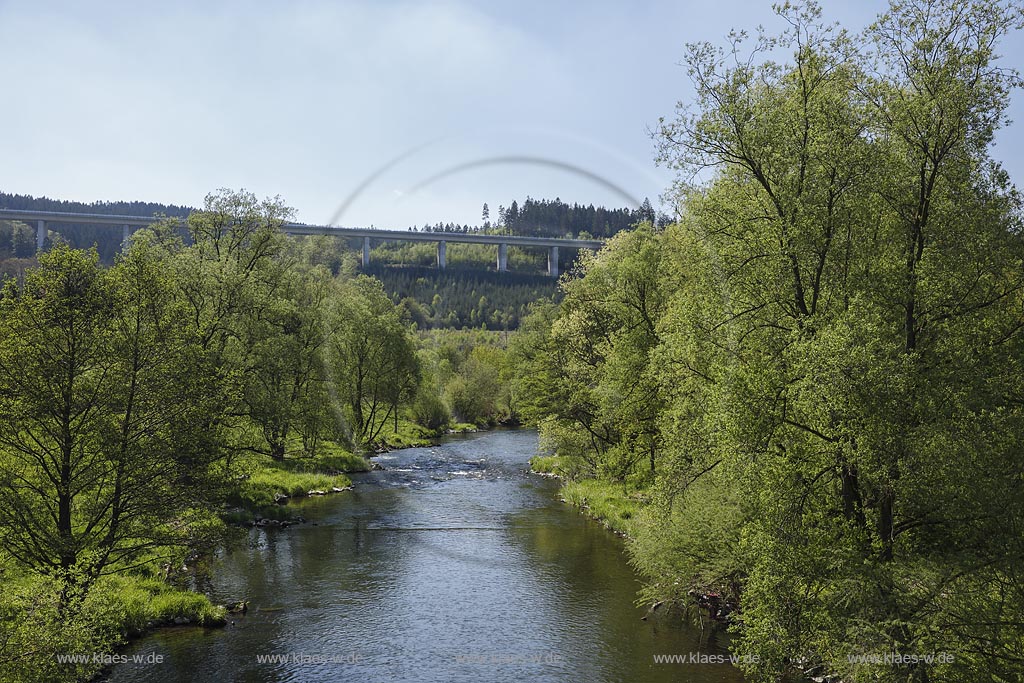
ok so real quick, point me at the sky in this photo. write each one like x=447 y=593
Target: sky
x=363 y=112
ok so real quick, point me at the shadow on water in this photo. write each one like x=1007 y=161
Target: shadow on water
x=451 y=564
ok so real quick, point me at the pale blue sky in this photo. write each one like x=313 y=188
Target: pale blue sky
x=110 y=100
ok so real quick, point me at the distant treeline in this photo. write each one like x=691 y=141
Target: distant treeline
x=106 y=239
x=555 y=218
x=462 y=298
x=534 y=218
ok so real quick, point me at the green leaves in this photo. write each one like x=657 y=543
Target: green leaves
x=102 y=396
x=824 y=352
x=372 y=363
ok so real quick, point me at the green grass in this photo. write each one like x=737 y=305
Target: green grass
x=409 y=435
x=140 y=603
x=609 y=502
x=265 y=485
x=264 y=480
x=118 y=608
x=167 y=607
x=329 y=459
x=547 y=464
x=412 y=435
x=606 y=502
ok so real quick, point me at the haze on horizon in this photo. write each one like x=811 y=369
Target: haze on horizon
x=431 y=108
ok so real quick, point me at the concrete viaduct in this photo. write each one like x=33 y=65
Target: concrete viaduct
x=42 y=219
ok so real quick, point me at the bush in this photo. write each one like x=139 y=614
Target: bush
x=429 y=410
x=35 y=630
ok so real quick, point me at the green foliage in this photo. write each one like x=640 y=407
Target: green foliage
x=819 y=363
x=475 y=392
x=263 y=486
x=463 y=298
x=284 y=389
x=372 y=363
x=428 y=409
x=547 y=464
x=35 y=629
x=605 y=501
x=470 y=370
x=555 y=218
x=103 y=407
x=582 y=375
x=17 y=240
x=196 y=608
x=136 y=400
x=691 y=541
x=411 y=435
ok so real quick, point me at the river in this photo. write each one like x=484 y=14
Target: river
x=452 y=564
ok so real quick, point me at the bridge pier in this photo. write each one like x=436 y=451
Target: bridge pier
x=553 y=262
x=502 y=257
x=128 y=224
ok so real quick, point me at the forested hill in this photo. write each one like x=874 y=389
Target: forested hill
x=27 y=202
x=462 y=297
x=470 y=294
x=555 y=218
x=106 y=239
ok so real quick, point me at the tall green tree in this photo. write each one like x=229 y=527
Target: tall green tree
x=284 y=366
x=103 y=399
x=232 y=274
x=824 y=349
x=373 y=369
x=865 y=257
x=589 y=378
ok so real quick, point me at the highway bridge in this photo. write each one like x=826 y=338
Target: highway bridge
x=43 y=219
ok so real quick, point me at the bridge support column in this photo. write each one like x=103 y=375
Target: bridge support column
x=40 y=235
x=366 y=251
x=502 y=257
x=553 y=262
x=126 y=232
x=442 y=254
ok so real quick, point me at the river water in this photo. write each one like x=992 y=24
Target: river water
x=452 y=564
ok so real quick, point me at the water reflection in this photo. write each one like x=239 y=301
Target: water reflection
x=452 y=564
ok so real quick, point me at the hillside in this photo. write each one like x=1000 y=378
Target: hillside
x=468 y=294
x=107 y=240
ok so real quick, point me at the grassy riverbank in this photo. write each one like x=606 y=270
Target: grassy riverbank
x=411 y=435
x=607 y=502
x=266 y=480
x=38 y=634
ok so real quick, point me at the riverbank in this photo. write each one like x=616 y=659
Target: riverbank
x=264 y=487
x=552 y=594
x=606 y=502
x=412 y=435
x=123 y=607
x=43 y=642
x=259 y=496
x=619 y=510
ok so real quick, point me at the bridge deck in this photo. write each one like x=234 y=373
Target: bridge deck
x=301 y=229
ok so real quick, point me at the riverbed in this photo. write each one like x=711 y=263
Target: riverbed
x=452 y=564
